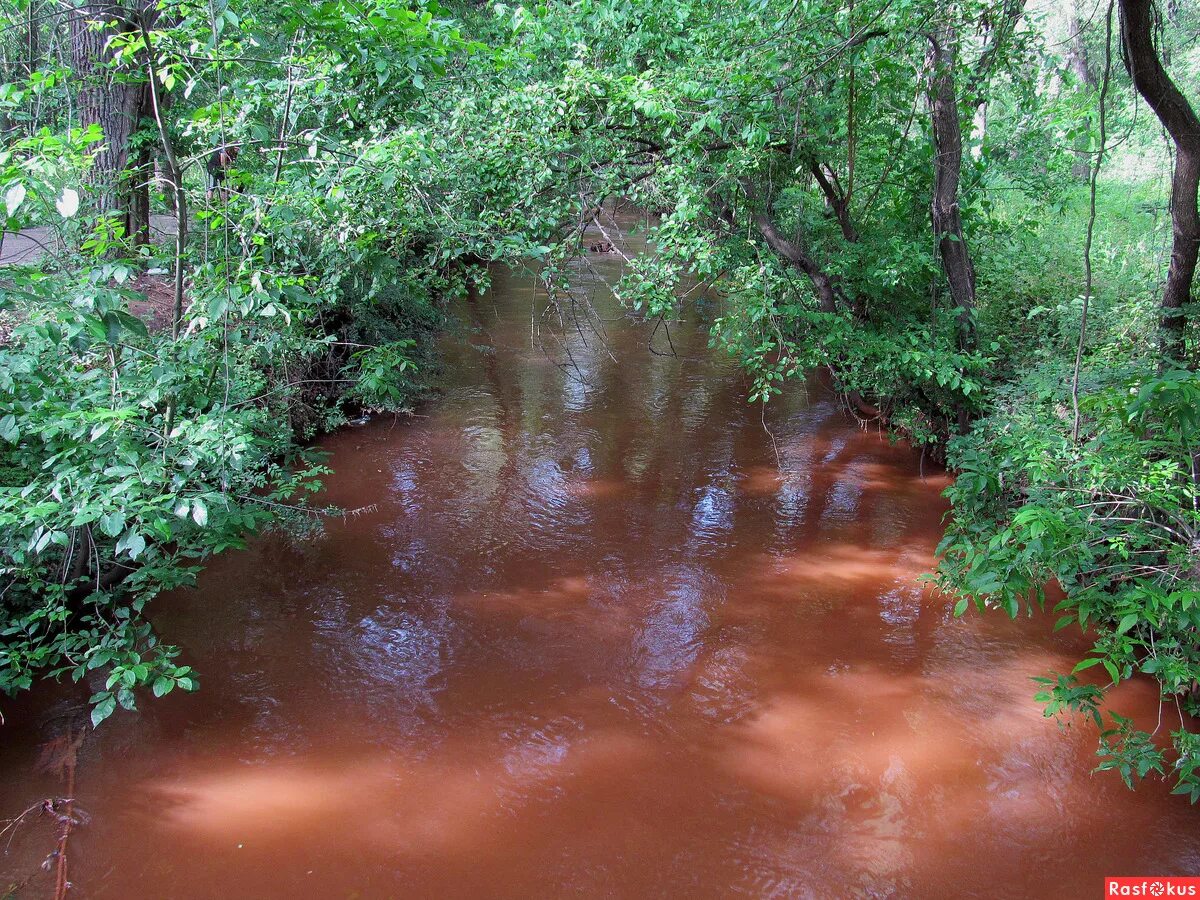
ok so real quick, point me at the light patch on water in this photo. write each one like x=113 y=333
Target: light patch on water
x=399 y=651
x=712 y=515
x=721 y=690
x=842 y=501
x=405 y=485
x=534 y=761
x=671 y=634
x=900 y=608
x=484 y=456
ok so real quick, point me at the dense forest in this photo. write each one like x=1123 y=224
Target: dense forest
x=232 y=226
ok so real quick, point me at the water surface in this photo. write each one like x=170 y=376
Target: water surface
x=597 y=627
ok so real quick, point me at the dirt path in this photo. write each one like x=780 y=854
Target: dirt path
x=30 y=245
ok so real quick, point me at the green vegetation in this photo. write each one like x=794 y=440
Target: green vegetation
x=966 y=212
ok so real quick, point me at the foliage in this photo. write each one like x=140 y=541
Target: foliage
x=131 y=454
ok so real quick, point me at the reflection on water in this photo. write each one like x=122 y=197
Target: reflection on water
x=601 y=629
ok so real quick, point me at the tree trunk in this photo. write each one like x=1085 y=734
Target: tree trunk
x=1138 y=21
x=839 y=203
x=110 y=99
x=821 y=282
x=163 y=184
x=141 y=173
x=947 y=167
x=827 y=293
x=175 y=175
x=32 y=49
x=142 y=177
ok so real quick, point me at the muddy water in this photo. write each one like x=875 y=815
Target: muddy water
x=595 y=630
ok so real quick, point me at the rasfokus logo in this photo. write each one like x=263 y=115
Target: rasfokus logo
x=1152 y=886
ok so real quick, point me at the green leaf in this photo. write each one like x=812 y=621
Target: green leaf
x=132 y=542
x=1112 y=671
x=103 y=710
x=1127 y=622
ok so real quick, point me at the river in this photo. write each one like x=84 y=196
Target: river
x=596 y=626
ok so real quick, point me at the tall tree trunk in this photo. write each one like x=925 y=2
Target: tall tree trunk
x=32 y=45
x=947 y=169
x=110 y=99
x=1077 y=54
x=1138 y=20
x=141 y=174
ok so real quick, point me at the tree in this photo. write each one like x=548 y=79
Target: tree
x=947 y=170
x=114 y=96
x=1145 y=67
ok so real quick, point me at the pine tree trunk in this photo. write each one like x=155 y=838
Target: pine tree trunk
x=111 y=102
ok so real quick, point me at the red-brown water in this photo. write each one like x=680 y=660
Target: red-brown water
x=598 y=633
